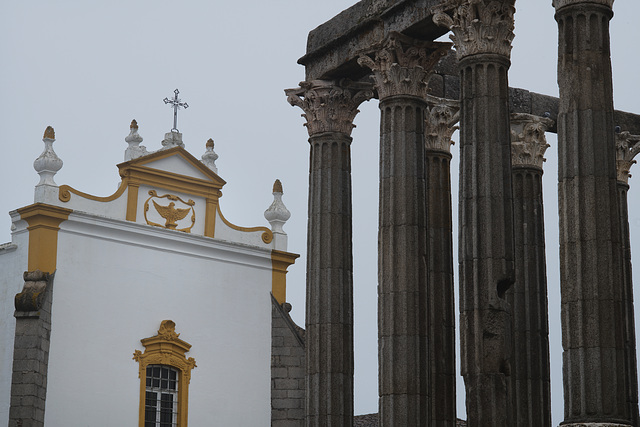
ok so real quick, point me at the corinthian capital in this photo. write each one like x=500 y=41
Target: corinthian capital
x=329 y=106
x=479 y=26
x=440 y=119
x=528 y=142
x=402 y=65
x=627 y=147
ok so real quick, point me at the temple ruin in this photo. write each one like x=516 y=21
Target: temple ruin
x=386 y=49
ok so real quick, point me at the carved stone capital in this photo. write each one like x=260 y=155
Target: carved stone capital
x=329 y=106
x=528 y=142
x=402 y=65
x=440 y=119
x=627 y=147
x=558 y=4
x=479 y=26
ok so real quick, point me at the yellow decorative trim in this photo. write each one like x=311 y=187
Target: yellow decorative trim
x=210 y=217
x=132 y=202
x=64 y=193
x=44 y=223
x=280 y=261
x=166 y=349
x=267 y=235
x=170 y=213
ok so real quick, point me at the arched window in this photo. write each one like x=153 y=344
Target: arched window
x=164 y=373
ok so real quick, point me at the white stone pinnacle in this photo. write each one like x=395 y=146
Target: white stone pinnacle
x=277 y=214
x=134 y=150
x=209 y=157
x=48 y=164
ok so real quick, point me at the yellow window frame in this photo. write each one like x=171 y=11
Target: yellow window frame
x=169 y=350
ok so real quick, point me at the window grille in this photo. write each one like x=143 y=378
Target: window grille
x=161 y=399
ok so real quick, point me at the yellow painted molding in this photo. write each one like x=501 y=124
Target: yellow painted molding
x=169 y=350
x=65 y=191
x=267 y=235
x=158 y=155
x=132 y=202
x=280 y=262
x=43 y=225
x=210 y=217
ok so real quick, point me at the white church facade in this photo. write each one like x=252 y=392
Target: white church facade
x=147 y=307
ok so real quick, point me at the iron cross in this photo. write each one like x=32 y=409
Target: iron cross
x=175 y=104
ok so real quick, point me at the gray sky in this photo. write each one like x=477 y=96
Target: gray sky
x=88 y=68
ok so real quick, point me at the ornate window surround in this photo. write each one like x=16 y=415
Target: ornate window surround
x=166 y=349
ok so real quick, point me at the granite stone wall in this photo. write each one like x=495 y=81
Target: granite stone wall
x=287 y=369
x=31 y=351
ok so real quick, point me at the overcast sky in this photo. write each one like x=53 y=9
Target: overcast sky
x=88 y=68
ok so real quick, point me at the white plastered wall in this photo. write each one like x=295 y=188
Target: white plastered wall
x=115 y=283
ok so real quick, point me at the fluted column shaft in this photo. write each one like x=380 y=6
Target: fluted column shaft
x=595 y=382
x=482 y=33
x=486 y=238
x=530 y=367
x=329 y=110
x=329 y=315
x=627 y=147
x=402 y=299
x=631 y=365
x=441 y=118
x=401 y=67
x=530 y=373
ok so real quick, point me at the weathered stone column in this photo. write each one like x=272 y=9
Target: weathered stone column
x=441 y=117
x=530 y=372
x=627 y=147
x=483 y=30
x=594 y=377
x=329 y=109
x=401 y=67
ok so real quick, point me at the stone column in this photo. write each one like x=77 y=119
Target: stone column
x=482 y=35
x=441 y=117
x=329 y=110
x=530 y=372
x=627 y=147
x=595 y=382
x=401 y=67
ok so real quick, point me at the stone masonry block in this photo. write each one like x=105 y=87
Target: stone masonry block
x=285 y=383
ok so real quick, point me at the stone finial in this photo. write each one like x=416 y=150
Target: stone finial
x=172 y=139
x=277 y=214
x=329 y=106
x=478 y=26
x=277 y=186
x=402 y=65
x=627 y=147
x=528 y=141
x=440 y=117
x=48 y=163
x=209 y=157
x=133 y=139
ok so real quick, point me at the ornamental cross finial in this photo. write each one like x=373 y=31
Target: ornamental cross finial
x=176 y=104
